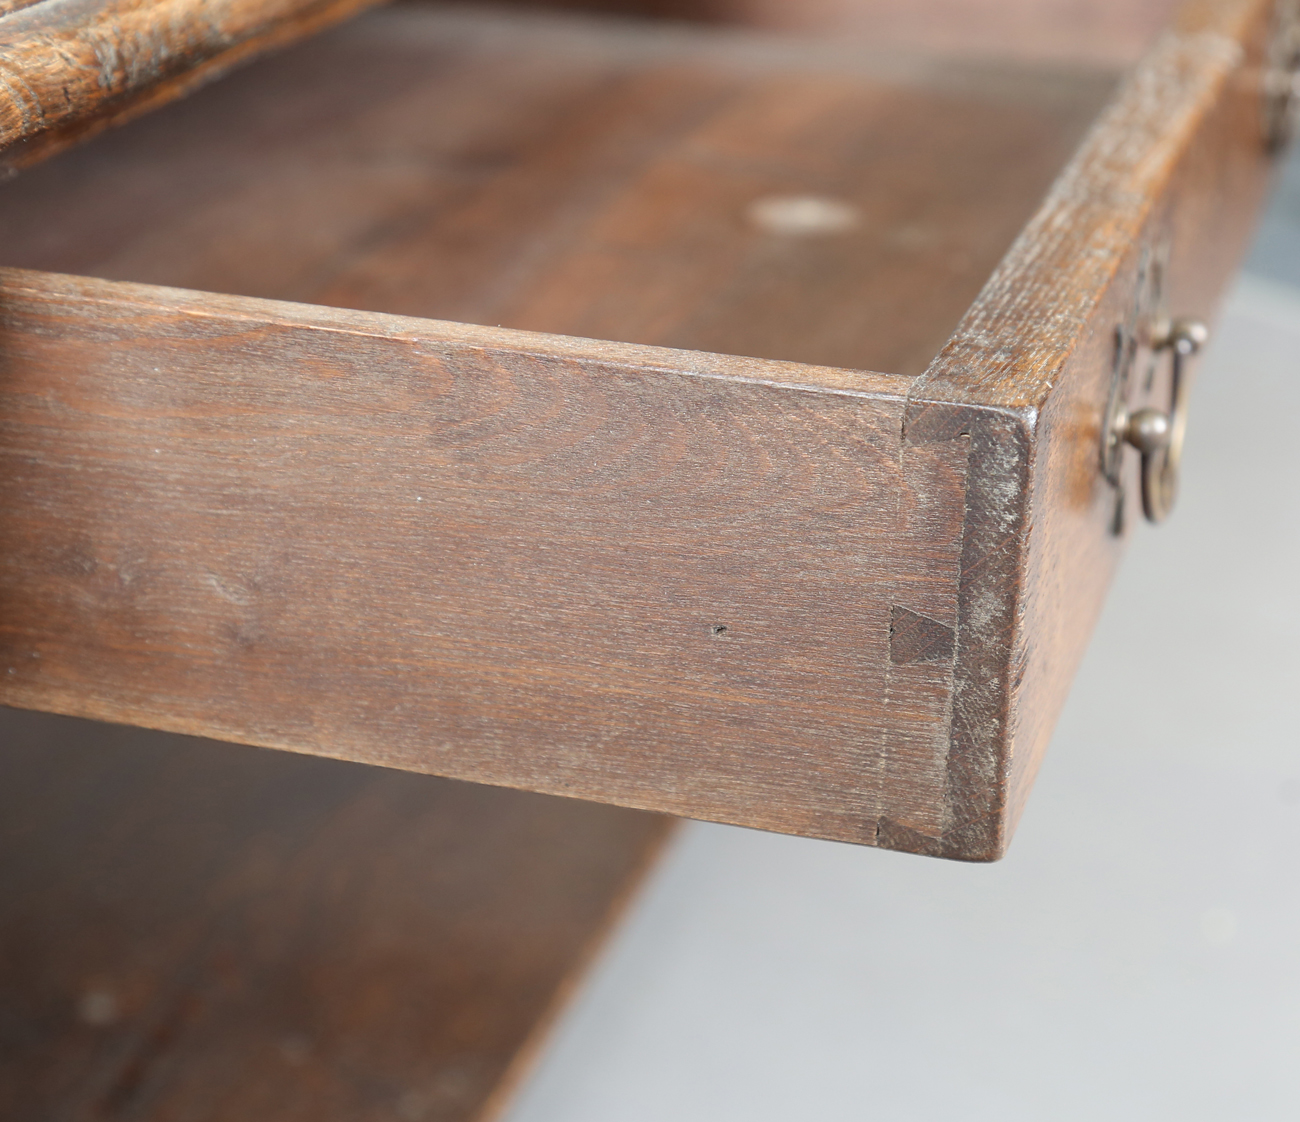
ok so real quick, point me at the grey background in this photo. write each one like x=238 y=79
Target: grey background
x=1136 y=956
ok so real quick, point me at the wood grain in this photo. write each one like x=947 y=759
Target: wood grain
x=73 y=67
x=657 y=578
x=577 y=177
x=802 y=598
x=193 y=929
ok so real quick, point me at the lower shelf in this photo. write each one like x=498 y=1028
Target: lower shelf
x=192 y=930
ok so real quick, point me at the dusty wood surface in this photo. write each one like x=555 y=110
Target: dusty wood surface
x=71 y=67
x=1179 y=160
x=1109 y=31
x=198 y=930
x=555 y=174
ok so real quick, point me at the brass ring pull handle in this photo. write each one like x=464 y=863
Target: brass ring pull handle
x=1159 y=436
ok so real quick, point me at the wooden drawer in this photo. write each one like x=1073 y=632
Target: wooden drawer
x=630 y=518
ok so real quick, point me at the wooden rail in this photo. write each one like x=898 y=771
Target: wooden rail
x=69 y=68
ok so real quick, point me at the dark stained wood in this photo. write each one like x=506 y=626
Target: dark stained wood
x=802 y=598
x=576 y=177
x=1180 y=159
x=198 y=930
x=481 y=553
x=73 y=67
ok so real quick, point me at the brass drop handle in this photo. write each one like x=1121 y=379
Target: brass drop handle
x=1159 y=436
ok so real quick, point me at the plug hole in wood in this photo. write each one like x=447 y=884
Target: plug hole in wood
x=803 y=215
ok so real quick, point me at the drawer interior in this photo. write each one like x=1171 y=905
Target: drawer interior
x=711 y=188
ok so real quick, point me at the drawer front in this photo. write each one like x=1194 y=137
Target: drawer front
x=1148 y=223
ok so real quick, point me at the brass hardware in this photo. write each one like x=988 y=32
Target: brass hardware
x=1158 y=436
x=1134 y=366
x=1147 y=430
x=1282 y=75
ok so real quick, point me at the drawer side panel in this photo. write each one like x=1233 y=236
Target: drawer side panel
x=663 y=579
